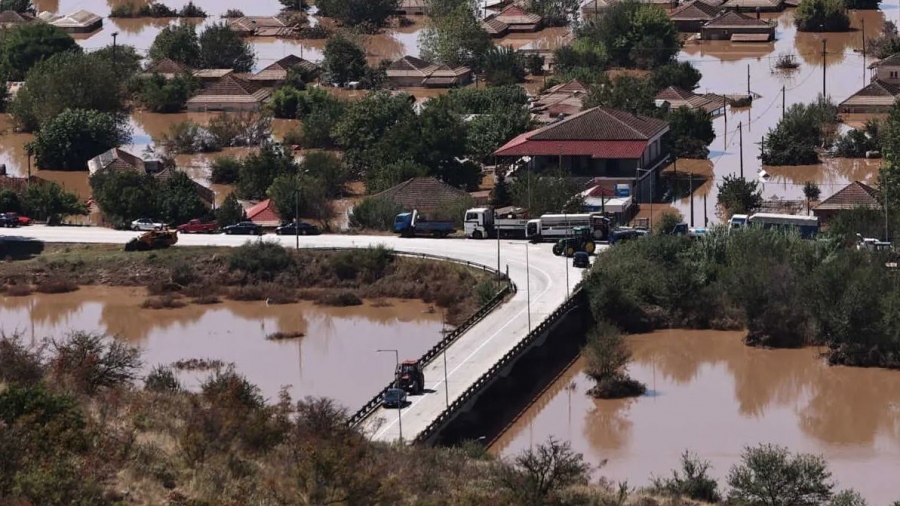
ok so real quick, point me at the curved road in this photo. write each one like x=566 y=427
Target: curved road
x=473 y=353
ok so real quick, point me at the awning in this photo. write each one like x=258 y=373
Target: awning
x=751 y=37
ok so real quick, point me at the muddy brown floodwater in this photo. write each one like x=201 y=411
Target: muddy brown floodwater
x=336 y=358
x=709 y=393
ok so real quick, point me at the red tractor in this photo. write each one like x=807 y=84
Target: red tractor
x=410 y=377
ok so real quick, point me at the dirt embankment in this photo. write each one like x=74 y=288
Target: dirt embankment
x=262 y=271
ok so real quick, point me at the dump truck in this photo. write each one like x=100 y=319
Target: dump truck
x=484 y=223
x=413 y=224
x=154 y=239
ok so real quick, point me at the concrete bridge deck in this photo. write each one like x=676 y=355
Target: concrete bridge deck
x=472 y=354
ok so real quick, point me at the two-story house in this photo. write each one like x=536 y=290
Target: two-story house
x=880 y=94
x=611 y=146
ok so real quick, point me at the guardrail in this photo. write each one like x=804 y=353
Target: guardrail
x=449 y=338
x=510 y=356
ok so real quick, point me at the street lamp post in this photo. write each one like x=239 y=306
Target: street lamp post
x=650 y=220
x=397 y=385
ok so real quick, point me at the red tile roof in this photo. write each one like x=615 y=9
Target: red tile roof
x=853 y=195
x=602 y=124
x=264 y=213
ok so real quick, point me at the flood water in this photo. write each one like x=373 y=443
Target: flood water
x=709 y=393
x=336 y=358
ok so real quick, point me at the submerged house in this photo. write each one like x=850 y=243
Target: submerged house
x=278 y=71
x=229 y=94
x=609 y=145
x=167 y=68
x=118 y=159
x=691 y=17
x=673 y=98
x=9 y=19
x=410 y=71
x=558 y=102
x=880 y=94
x=737 y=27
x=412 y=7
x=261 y=26
x=77 y=22
x=755 y=5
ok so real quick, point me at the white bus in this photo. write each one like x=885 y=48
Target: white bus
x=806 y=226
x=552 y=227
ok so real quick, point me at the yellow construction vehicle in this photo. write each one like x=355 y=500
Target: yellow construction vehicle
x=154 y=239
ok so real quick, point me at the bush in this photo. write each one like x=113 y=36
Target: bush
x=20 y=248
x=69 y=140
x=225 y=170
x=90 y=362
x=262 y=260
x=802 y=479
x=282 y=336
x=56 y=285
x=162 y=379
x=364 y=265
x=20 y=363
x=374 y=214
x=167 y=301
x=803 y=129
x=339 y=299
x=822 y=16
x=693 y=482
x=18 y=290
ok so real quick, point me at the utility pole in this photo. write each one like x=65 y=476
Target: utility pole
x=297 y=219
x=691 y=180
x=741 y=148
x=705 y=219
x=783 y=96
x=824 y=64
x=748 y=80
x=114 y=35
x=864 y=49
x=725 y=117
x=886 y=213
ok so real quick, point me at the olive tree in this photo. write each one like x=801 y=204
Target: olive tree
x=770 y=475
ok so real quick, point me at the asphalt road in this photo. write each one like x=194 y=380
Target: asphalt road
x=540 y=276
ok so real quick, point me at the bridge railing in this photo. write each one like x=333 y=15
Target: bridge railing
x=508 y=358
x=369 y=407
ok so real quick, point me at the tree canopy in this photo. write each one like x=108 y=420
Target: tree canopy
x=24 y=45
x=503 y=66
x=49 y=202
x=223 y=48
x=368 y=14
x=555 y=12
x=125 y=195
x=178 y=43
x=822 y=16
x=259 y=170
x=803 y=129
x=70 y=139
x=69 y=80
x=159 y=94
x=344 y=60
x=634 y=34
x=690 y=133
x=739 y=196
x=454 y=37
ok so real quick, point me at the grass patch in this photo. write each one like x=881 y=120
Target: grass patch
x=168 y=301
x=56 y=285
x=207 y=299
x=198 y=364
x=339 y=299
x=281 y=336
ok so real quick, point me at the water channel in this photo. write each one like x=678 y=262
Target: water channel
x=710 y=394
x=336 y=358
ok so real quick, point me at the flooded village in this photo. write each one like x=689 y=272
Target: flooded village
x=708 y=391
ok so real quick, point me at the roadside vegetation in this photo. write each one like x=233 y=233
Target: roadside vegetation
x=259 y=271
x=84 y=425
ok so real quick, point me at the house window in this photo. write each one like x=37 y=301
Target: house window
x=893 y=74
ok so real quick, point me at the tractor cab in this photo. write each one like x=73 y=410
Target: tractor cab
x=582 y=239
x=410 y=377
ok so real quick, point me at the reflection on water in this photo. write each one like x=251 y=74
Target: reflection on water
x=711 y=394
x=337 y=341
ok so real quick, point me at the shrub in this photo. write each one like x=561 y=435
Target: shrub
x=339 y=299
x=190 y=10
x=93 y=361
x=668 y=221
x=281 y=336
x=364 y=265
x=803 y=479
x=263 y=260
x=486 y=291
x=233 y=13
x=167 y=301
x=539 y=474
x=20 y=248
x=56 y=285
x=374 y=214
x=162 y=379
x=207 y=299
x=693 y=482
x=20 y=363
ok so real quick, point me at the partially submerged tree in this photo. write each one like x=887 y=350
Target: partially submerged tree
x=222 y=47
x=366 y=14
x=178 y=43
x=24 y=45
x=344 y=60
x=555 y=12
x=680 y=74
x=606 y=357
x=739 y=196
x=503 y=66
x=803 y=129
x=69 y=140
x=455 y=37
x=822 y=16
x=158 y=94
x=259 y=170
x=634 y=34
x=690 y=133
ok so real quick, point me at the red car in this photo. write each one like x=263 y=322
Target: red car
x=196 y=226
x=15 y=219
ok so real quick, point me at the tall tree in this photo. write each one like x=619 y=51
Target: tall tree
x=68 y=80
x=822 y=16
x=629 y=93
x=680 y=74
x=344 y=60
x=124 y=58
x=178 y=43
x=555 y=12
x=259 y=170
x=24 y=45
x=690 y=133
x=739 y=196
x=49 y=201
x=503 y=66
x=366 y=125
x=369 y=14
x=125 y=195
x=328 y=169
x=159 y=94
x=230 y=211
x=75 y=136
x=811 y=191
x=770 y=475
x=455 y=37
x=634 y=34
x=223 y=48
x=300 y=192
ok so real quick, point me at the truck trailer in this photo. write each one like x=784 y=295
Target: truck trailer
x=484 y=223
x=553 y=227
x=414 y=224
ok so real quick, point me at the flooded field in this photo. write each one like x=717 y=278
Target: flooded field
x=709 y=393
x=336 y=358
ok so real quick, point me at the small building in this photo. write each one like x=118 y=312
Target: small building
x=853 y=196
x=261 y=26
x=876 y=98
x=167 y=68
x=77 y=22
x=558 y=102
x=230 y=94
x=611 y=145
x=410 y=71
x=264 y=214
x=426 y=194
x=600 y=199
x=494 y=27
x=412 y=8
x=9 y=19
x=737 y=27
x=886 y=70
x=517 y=20
x=691 y=16
x=277 y=72
x=673 y=98
x=754 y=5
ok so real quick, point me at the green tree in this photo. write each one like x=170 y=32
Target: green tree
x=319 y=126
x=329 y=170
x=534 y=63
x=667 y=222
x=223 y=48
x=369 y=14
x=680 y=74
x=625 y=92
x=344 y=60
x=771 y=476
x=485 y=133
x=501 y=195
x=10 y=202
x=822 y=16
x=69 y=140
x=67 y=80
x=811 y=191
x=364 y=129
x=259 y=170
x=385 y=175
x=503 y=66
x=690 y=133
x=555 y=12
x=693 y=482
x=24 y=45
x=20 y=6
x=285 y=101
x=225 y=170
x=798 y=134
x=293 y=192
x=125 y=195
x=739 y=196
x=583 y=59
x=230 y=211
x=857 y=142
x=634 y=34
x=538 y=476
x=178 y=43
x=455 y=37
x=162 y=95
x=546 y=194
x=294 y=5
x=178 y=199
x=49 y=201
x=125 y=60
x=374 y=214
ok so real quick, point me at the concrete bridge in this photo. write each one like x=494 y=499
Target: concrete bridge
x=539 y=276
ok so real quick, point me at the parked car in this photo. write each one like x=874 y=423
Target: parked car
x=394 y=398
x=146 y=224
x=243 y=228
x=18 y=218
x=9 y=220
x=196 y=226
x=300 y=228
x=581 y=259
